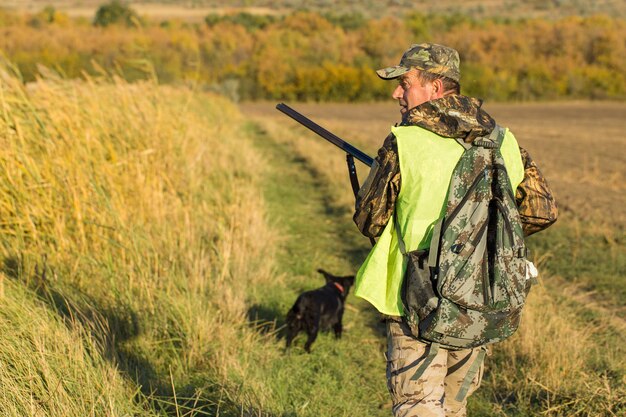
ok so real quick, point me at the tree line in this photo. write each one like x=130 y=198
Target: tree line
x=323 y=56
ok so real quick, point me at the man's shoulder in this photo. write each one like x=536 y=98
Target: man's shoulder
x=389 y=146
x=390 y=141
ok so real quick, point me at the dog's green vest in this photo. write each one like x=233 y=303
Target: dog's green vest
x=426 y=164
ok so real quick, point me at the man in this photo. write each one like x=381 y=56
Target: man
x=412 y=172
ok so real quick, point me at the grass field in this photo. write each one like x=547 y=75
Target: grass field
x=130 y=231
x=153 y=239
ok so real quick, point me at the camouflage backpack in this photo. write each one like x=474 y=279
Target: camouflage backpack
x=474 y=288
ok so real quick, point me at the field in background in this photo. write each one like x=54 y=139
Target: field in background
x=190 y=9
x=156 y=10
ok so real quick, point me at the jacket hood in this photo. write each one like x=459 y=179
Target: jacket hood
x=454 y=116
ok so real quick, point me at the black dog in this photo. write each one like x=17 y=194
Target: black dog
x=319 y=309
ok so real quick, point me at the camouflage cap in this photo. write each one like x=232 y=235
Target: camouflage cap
x=431 y=57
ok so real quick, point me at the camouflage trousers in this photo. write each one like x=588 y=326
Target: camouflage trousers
x=433 y=393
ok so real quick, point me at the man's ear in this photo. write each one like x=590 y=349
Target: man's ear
x=438 y=89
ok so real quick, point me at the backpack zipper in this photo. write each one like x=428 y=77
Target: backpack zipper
x=486 y=290
x=509 y=227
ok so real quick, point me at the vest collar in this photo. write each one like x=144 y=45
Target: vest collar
x=454 y=116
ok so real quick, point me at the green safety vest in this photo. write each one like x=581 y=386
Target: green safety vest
x=426 y=164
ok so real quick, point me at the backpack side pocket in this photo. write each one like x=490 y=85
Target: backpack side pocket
x=418 y=290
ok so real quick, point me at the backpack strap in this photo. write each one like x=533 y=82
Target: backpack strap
x=433 y=250
x=471 y=373
x=401 y=245
x=493 y=141
x=432 y=352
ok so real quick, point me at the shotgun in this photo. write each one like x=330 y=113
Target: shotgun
x=332 y=138
x=351 y=151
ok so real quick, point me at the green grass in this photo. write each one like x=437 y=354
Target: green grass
x=590 y=255
x=340 y=377
x=55 y=367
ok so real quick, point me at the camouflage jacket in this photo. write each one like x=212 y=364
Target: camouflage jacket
x=454 y=116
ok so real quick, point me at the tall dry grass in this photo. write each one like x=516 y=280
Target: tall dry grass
x=54 y=368
x=558 y=359
x=131 y=213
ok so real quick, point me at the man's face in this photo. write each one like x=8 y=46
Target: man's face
x=410 y=92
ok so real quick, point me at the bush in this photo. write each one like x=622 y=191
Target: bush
x=115 y=12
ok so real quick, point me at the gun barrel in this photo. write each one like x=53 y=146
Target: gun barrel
x=332 y=138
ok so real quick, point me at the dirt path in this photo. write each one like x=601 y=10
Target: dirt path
x=318 y=232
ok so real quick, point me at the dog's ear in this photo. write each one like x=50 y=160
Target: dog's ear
x=328 y=277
